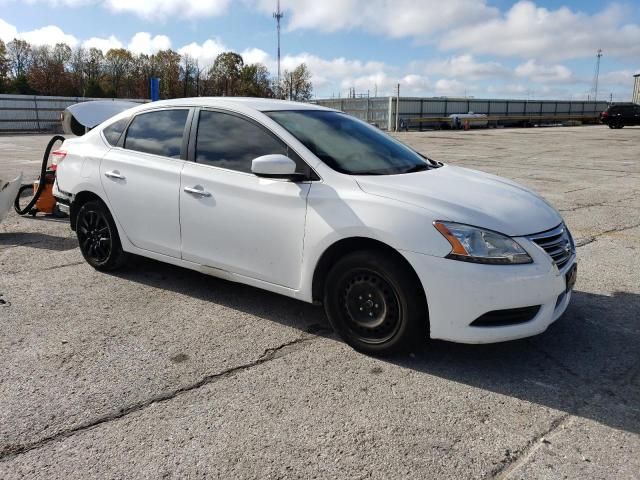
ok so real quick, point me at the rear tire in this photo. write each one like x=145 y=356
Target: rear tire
x=98 y=237
x=376 y=303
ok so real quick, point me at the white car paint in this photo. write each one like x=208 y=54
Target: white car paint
x=8 y=192
x=271 y=233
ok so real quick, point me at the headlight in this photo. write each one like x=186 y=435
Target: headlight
x=472 y=244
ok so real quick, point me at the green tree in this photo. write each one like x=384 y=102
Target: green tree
x=224 y=75
x=77 y=67
x=296 y=85
x=19 y=53
x=167 y=64
x=94 y=65
x=117 y=63
x=48 y=70
x=4 y=68
x=189 y=74
x=255 y=81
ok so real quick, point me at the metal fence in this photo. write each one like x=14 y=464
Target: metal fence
x=34 y=113
x=419 y=113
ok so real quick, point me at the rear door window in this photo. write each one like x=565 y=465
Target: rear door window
x=159 y=132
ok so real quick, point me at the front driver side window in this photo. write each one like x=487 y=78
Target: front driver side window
x=232 y=142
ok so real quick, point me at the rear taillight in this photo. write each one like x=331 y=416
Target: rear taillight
x=57 y=156
x=604 y=114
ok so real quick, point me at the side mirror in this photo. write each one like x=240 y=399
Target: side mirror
x=275 y=166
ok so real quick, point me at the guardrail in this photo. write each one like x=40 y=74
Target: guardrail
x=36 y=113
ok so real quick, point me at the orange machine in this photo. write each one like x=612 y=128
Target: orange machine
x=43 y=200
x=46 y=202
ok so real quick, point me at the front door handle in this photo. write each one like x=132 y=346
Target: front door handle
x=197 y=190
x=114 y=174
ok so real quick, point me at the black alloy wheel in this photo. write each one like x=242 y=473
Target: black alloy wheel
x=98 y=237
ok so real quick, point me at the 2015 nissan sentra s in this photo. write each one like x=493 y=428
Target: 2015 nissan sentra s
x=316 y=205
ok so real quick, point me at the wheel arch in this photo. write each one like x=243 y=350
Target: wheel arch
x=346 y=246
x=80 y=199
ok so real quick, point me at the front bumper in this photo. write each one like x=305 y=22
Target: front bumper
x=460 y=292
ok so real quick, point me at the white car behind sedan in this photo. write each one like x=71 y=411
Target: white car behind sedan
x=316 y=205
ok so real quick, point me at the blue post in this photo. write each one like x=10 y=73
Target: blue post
x=155 y=89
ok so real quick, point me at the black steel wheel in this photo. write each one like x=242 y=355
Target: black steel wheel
x=98 y=237
x=376 y=303
x=371 y=307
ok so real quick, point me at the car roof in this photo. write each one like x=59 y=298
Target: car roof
x=259 y=104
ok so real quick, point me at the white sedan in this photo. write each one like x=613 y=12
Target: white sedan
x=316 y=205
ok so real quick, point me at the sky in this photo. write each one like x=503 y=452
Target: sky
x=478 y=48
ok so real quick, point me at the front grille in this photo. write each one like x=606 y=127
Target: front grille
x=557 y=243
x=503 y=318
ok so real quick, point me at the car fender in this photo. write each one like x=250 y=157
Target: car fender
x=356 y=214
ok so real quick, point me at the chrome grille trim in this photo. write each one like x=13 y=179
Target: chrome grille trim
x=558 y=244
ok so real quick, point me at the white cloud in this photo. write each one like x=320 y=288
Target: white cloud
x=465 y=66
x=104 y=44
x=163 y=9
x=451 y=87
x=400 y=18
x=7 y=31
x=143 y=42
x=544 y=73
x=256 y=55
x=49 y=35
x=204 y=53
x=325 y=71
x=529 y=31
x=525 y=30
x=618 y=77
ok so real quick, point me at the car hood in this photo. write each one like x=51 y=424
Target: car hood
x=468 y=196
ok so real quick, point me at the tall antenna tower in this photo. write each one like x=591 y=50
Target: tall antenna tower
x=596 y=75
x=278 y=16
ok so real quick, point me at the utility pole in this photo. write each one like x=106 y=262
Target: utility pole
x=596 y=75
x=398 y=107
x=278 y=16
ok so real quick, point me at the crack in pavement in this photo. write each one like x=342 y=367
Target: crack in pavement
x=581 y=242
x=513 y=463
x=47 y=269
x=9 y=452
x=605 y=203
x=516 y=459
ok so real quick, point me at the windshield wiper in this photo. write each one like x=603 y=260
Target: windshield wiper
x=417 y=168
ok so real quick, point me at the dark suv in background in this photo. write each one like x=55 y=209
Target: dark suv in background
x=621 y=114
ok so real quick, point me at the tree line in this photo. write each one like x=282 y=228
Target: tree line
x=119 y=73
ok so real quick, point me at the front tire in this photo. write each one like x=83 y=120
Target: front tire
x=98 y=237
x=376 y=303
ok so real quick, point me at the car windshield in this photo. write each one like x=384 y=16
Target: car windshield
x=349 y=145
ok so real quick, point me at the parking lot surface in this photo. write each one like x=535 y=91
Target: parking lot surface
x=161 y=372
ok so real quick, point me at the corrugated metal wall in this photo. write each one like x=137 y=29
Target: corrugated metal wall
x=378 y=110
x=33 y=113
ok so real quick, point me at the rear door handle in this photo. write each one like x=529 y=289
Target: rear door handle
x=114 y=174
x=197 y=190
